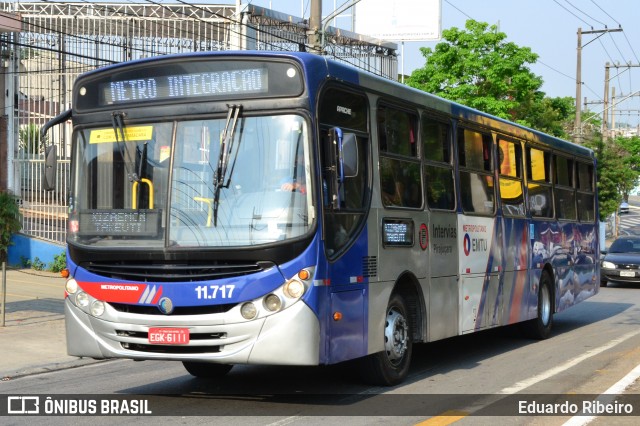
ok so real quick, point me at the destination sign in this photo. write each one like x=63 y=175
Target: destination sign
x=126 y=222
x=254 y=80
x=397 y=232
x=186 y=79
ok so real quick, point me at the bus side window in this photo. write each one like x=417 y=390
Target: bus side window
x=400 y=180
x=585 y=196
x=510 y=167
x=564 y=191
x=477 y=189
x=539 y=189
x=438 y=170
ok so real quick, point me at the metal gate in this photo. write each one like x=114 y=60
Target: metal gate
x=59 y=41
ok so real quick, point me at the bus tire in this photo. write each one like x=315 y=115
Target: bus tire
x=206 y=370
x=540 y=327
x=391 y=366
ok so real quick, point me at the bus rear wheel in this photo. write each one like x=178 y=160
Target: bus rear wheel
x=540 y=327
x=391 y=366
x=206 y=370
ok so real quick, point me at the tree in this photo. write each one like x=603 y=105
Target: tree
x=30 y=139
x=9 y=222
x=617 y=171
x=477 y=67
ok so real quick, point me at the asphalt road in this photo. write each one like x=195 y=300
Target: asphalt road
x=594 y=345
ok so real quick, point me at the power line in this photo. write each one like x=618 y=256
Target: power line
x=553 y=69
x=605 y=12
x=585 y=14
x=558 y=3
x=458 y=9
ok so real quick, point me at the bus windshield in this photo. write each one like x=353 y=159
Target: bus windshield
x=235 y=181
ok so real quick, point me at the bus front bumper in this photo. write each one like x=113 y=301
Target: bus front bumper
x=288 y=337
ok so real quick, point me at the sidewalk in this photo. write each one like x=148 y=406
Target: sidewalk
x=33 y=338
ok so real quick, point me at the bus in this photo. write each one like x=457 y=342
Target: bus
x=282 y=208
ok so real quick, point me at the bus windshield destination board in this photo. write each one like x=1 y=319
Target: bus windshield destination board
x=190 y=80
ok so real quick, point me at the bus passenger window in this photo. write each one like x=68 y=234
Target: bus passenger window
x=585 y=196
x=440 y=188
x=538 y=164
x=510 y=166
x=438 y=171
x=400 y=177
x=477 y=191
x=565 y=197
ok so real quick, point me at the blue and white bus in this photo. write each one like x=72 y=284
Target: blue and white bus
x=283 y=208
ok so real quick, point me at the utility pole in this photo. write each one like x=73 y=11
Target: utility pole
x=577 y=127
x=315 y=26
x=577 y=131
x=605 y=112
x=613 y=111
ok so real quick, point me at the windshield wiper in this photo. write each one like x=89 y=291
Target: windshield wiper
x=226 y=147
x=117 y=120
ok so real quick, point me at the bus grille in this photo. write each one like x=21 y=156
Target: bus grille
x=171 y=349
x=154 y=272
x=178 y=310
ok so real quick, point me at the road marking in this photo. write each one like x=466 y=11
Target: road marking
x=607 y=397
x=444 y=419
x=520 y=386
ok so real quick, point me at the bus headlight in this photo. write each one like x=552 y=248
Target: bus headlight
x=97 y=308
x=294 y=289
x=272 y=303
x=71 y=286
x=248 y=311
x=82 y=299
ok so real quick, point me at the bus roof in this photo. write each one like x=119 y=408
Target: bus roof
x=319 y=68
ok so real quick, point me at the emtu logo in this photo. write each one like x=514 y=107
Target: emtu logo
x=466 y=245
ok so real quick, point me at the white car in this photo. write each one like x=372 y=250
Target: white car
x=624 y=207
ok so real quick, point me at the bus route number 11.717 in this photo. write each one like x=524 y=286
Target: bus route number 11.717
x=215 y=291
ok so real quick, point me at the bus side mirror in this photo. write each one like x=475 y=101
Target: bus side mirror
x=50 y=152
x=341 y=163
x=349 y=156
x=50 y=168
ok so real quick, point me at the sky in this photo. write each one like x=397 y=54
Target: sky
x=549 y=28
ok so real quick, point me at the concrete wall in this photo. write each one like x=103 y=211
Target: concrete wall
x=30 y=248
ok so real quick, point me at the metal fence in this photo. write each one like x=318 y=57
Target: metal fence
x=61 y=40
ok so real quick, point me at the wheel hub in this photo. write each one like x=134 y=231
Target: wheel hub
x=395 y=336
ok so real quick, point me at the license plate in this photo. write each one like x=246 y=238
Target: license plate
x=627 y=274
x=168 y=336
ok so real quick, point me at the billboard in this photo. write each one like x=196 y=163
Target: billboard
x=399 y=20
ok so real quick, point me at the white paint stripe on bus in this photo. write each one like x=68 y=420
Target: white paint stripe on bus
x=520 y=386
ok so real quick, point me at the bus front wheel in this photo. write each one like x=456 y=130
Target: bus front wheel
x=391 y=366
x=206 y=370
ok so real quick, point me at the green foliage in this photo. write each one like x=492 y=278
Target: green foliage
x=30 y=139
x=477 y=67
x=618 y=171
x=9 y=222
x=59 y=262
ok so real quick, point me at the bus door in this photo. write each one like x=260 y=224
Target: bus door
x=345 y=183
